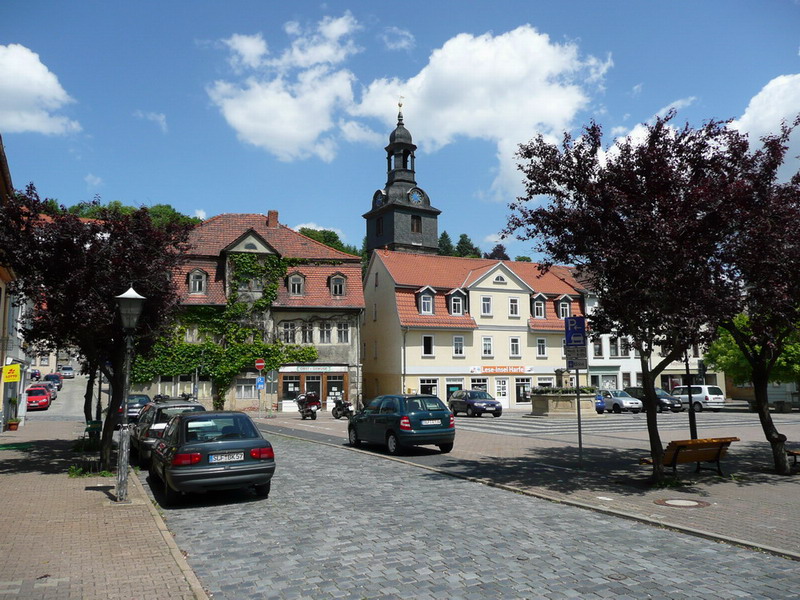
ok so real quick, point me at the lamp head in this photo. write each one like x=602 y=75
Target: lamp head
x=130 y=307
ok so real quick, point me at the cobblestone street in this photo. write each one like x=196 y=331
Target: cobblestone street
x=344 y=524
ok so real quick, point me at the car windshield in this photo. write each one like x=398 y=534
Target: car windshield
x=36 y=392
x=425 y=403
x=220 y=427
x=480 y=396
x=621 y=394
x=166 y=413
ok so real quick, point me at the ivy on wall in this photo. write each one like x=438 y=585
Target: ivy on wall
x=232 y=337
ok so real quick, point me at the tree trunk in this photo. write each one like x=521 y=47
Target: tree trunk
x=776 y=440
x=650 y=404
x=87 y=397
x=116 y=381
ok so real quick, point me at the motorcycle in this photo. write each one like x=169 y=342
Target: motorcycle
x=308 y=404
x=342 y=408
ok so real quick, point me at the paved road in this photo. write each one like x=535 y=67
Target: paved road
x=352 y=524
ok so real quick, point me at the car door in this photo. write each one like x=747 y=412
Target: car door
x=364 y=421
x=457 y=401
x=386 y=419
x=142 y=425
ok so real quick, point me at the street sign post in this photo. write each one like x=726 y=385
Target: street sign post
x=575 y=338
x=260 y=364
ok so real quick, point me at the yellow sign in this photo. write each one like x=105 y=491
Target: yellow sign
x=11 y=373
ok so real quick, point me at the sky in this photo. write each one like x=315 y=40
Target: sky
x=249 y=106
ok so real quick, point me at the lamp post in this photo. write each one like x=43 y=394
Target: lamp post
x=130 y=307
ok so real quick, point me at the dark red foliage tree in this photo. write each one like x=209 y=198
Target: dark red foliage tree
x=644 y=221
x=69 y=271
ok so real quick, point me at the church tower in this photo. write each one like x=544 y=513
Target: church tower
x=401 y=217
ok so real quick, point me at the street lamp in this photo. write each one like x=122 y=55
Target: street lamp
x=130 y=307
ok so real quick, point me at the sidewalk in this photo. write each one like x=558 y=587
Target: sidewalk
x=63 y=537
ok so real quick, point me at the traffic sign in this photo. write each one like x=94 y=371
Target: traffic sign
x=575 y=331
x=260 y=364
x=260 y=384
x=575 y=352
x=577 y=363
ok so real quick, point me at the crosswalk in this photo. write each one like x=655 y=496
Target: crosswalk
x=518 y=425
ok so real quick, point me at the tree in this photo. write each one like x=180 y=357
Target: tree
x=329 y=238
x=466 y=248
x=497 y=253
x=161 y=215
x=69 y=270
x=446 y=247
x=523 y=259
x=644 y=223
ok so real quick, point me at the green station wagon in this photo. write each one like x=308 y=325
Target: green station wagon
x=404 y=420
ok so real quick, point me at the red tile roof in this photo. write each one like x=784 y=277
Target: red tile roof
x=317 y=293
x=409 y=313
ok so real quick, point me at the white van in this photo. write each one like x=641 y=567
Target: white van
x=703 y=397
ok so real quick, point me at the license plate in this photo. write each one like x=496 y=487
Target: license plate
x=230 y=457
x=431 y=422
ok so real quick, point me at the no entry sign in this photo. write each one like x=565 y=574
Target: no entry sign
x=260 y=364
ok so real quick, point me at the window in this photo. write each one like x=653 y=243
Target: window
x=427 y=345
x=44 y=361
x=426 y=304
x=545 y=382
x=541 y=347
x=287 y=332
x=307 y=333
x=296 y=285
x=563 y=347
x=190 y=335
x=563 y=309
x=597 y=346
x=197 y=283
x=514 y=348
x=499 y=279
x=337 y=286
x=513 y=307
x=379 y=226
x=486 y=306
x=538 y=309
x=429 y=386
x=250 y=246
x=479 y=383
x=325 y=333
x=695 y=351
x=613 y=347
x=343 y=333
x=487 y=346
x=291 y=386
x=245 y=388
x=458 y=345
x=376 y=280
x=416 y=224
x=457 y=305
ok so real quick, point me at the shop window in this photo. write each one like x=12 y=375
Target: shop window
x=291 y=387
x=429 y=386
x=479 y=383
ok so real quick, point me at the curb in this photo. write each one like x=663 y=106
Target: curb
x=566 y=501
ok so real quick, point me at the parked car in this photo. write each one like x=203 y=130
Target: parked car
x=135 y=404
x=56 y=379
x=619 y=400
x=703 y=397
x=35 y=374
x=152 y=422
x=51 y=387
x=404 y=420
x=67 y=372
x=474 y=403
x=212 y=450
x=38 y=397
x=665 y=401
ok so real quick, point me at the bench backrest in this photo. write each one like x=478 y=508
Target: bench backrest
x=703 y=450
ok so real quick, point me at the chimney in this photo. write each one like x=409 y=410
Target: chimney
x=272 y=218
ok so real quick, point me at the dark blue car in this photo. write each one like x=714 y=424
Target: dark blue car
x=474 y=403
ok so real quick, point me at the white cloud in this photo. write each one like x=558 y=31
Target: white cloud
x=353 y=131
x=778 y=101
x=200 y=214
x=30 y=95
x=395 y=38
x=93 y=181
x=676 y=105
x=159 y=119
x=637 y=89
x=330 y=42
x=248 y=51
x=493 y=238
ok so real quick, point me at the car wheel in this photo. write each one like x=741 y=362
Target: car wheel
x=698 y=407
x=635 y=411
x=171 y=496
x=393 y=444
x=601 y=412
x=262 y=491
x=470 y=412
x=716 y=409
x=660 y=409
x=352 y=436
x=445 y=448
x=497 y=414
x=616 y=409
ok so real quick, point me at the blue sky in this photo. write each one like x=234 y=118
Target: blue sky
x=248 y=106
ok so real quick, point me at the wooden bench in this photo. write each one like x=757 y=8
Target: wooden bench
x=694 y=451
x=93 y=429
x=794 y=454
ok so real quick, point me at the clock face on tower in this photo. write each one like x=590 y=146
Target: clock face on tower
x=378 y=198
x=415 y=195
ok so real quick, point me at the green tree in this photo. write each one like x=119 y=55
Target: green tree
x=329 y=238
x=466 y=248
x=446 y=247
x=523 y=259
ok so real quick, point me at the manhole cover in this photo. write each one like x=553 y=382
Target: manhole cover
x=680 y=503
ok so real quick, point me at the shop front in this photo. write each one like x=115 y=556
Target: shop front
x=330 y=382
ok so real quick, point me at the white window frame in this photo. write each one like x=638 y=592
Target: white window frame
x=457 y=305
x=426 y=304
x=514 y=347
x=432 y=352
x=513 y=307
x=563 y=347
x=296 y=287
x=564 y=309
x=487 y=346
x=541 y=347
x=486 y=306
x=538 y=309
x=197 y=282
x=613 y=347
x=458 y=346
x=337 y=286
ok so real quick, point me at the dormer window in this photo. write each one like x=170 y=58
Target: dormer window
x=296 y=285
x=250 y=246
x=564 y=309
x=457 y=305
x=337 y=285
x=538 y=309
x=197 y=282
x=426 y=304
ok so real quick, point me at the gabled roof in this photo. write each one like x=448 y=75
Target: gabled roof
x=211 y=237
x=409 y=313
x=449 y=272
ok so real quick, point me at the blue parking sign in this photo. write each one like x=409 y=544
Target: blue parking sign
x=575 y=331
x=260 y=383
